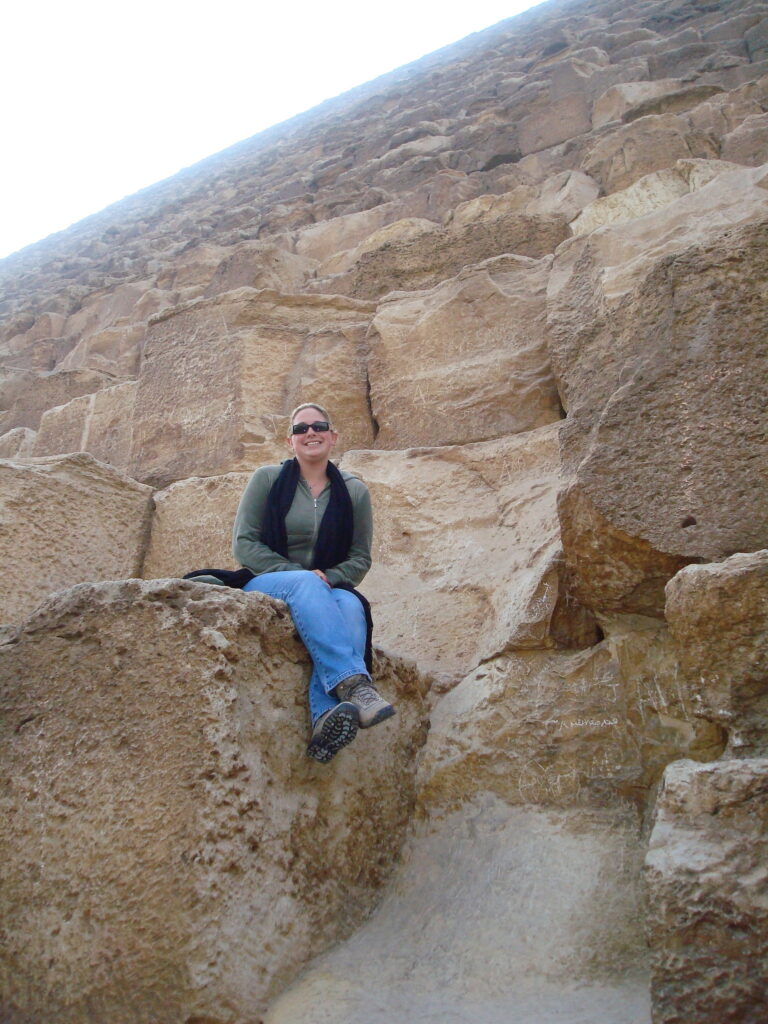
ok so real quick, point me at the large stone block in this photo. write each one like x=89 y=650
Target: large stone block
x=192 y=525
x=171 y=853
x=25 y=395
x=654 y=476
x=708 y=896
x=66 y=520
x=466 y=558
x=718 y=617
x=100 y=424
x=464 y=361
x=593 y=728
x=220 y=376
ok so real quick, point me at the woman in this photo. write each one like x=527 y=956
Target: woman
x=304 y=529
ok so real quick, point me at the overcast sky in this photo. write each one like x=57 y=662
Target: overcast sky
x=101 y=99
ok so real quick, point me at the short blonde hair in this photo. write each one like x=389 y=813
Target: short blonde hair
x=309 y=405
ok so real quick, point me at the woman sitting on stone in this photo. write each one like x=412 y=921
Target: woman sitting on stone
x=304 y=529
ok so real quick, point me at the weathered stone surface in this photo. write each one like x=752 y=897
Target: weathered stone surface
x=649 y=193
x=466 y=558
x=17 y=443
x=636 y=338
x=590 y=729
x=25 y=395
x=66 y=520
x=192 y=525
x=101 y=424
x=497 y=914
x=219 y=378
x=188 y=857
x=706 y=875
x=718 y=617
x=464 y=361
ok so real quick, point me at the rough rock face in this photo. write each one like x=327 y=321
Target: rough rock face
x=526 y=274
x=708 y=922
x=187 y=857
x=718 y=617
x=64 y=519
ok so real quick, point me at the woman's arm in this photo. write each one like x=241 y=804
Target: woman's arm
x=358 y=561
x=247 y=545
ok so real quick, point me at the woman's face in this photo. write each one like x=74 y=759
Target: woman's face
x=314 y=446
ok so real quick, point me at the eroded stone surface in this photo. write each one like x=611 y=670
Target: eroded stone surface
x=467 y=552
x=188 y=857
x=66 y=520
x=708 y=893
x=718 y=616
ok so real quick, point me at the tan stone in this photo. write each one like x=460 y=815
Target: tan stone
x=617 y=159
x=24 y=395
x=220 y=376
x=590 y=729
x=192 y=525
x=466 y=557
x=101 y=424
x=17 y=443
x=563 y=119
x=708 y=896
x=617 y=101
x=649 y=193
x=66 y=520
x=748 y=143
x=497 y=914
x=464 y=361
x=116 y=350
x=261 y=265
x=638 y=335
x=718 y=616
x=189 y=857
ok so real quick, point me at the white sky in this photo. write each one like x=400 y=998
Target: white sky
x=101 y=99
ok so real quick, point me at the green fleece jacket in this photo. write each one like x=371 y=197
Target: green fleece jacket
x=301 y=525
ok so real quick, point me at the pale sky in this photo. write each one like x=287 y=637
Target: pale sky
x=102 y=99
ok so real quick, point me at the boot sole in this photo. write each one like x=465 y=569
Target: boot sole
x=381 y=716
x=339 y=729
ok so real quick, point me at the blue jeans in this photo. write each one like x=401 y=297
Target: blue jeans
x=330 y=622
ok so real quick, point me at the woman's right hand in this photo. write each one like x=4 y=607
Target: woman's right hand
x=321 y=574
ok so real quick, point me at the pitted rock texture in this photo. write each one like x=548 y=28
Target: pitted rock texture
x=708 y=894
x=718 y=617
x=65 y=520
x=526 y=274
x=171 y=853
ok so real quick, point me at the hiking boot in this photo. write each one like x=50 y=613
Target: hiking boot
x=372 y=707
x=332 y=731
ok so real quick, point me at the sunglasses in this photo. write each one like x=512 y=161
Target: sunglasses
x=319 y=427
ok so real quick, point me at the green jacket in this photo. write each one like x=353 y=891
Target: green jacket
x=301 y=524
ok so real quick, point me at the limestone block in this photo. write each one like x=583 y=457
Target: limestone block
x=17 y=443
x=748 y=142
x=219 y=377
x=618 y=158
x=430 y=257
x=321 y=241
x=563 y=119
x=637 y=336
x=464 y=361
x=466 y=556
x=567 y=194
x=651 y=192
x=100 y=424
x=65 y=520
x=708 y=896
x=24 y=395
x=591 y=729
x=189 y=857
x=756 y=39
x=497 y=914
x=718 y=616
x=192 y=525
x=261 y=265
x=62 y=428
x=193 y=268
x=116 y=350
x=619 y=99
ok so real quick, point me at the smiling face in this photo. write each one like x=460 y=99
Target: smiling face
x=313 y=448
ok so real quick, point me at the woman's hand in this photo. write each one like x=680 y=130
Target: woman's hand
x=321 y=574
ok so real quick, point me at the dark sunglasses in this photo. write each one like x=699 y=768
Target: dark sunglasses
x=319 y=427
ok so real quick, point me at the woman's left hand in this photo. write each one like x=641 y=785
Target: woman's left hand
x=321 y=574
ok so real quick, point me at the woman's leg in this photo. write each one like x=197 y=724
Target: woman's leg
x=328 y=623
